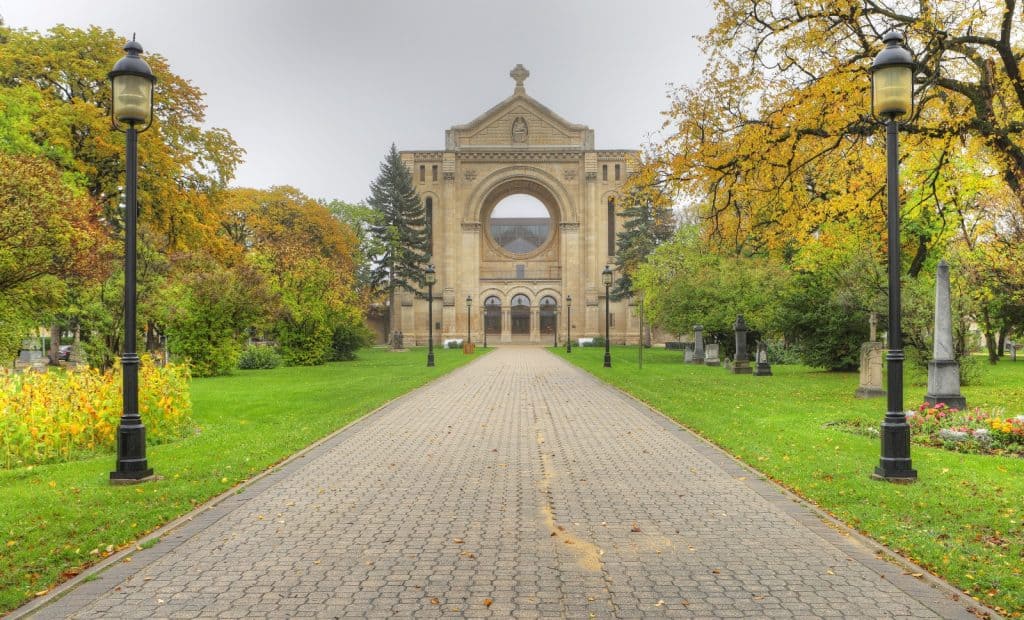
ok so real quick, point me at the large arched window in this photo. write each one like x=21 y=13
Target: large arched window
x=520 y=314
x=611 y=227
x=548 y=309
x=428 y=211
x=520 y=224
x=492 y=315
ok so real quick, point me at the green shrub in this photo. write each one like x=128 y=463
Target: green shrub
x=259 y=358
x=350 y=335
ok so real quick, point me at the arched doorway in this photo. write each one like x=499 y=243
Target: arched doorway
x=492 y=315
x=520 y=315
x=548 y=322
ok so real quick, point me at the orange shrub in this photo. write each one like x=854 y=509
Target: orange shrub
x=60 y=416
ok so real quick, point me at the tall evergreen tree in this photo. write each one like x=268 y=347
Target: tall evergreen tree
x=401 y=240
x=647 y=223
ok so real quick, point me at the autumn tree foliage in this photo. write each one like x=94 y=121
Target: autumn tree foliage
x=307 y=259
x=213 y=263
x=399 y=231
x=777 y=146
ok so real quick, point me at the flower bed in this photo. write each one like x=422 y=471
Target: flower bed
x=970 y=430
x=61 y=416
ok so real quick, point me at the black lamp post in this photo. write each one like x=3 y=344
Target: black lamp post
x=132 y=112
x=469 y=319
x=485 y=325
x=431 y=280
x=606 y=277
x=892 y=95
x=568 y=323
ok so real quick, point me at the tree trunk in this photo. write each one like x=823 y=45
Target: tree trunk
x=54 y=343
x=152 y=338
x=1001 y=349
x=990 y=343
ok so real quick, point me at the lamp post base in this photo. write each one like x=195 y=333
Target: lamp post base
x=895 y=465
x=430 y=361
x=607 y=360
x=117 y=478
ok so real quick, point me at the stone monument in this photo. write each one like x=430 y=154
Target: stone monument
x=711 y=356
x=741 y=363
x=687 y=353
x=698 y=344
x=762 y=369
x=870 y=370
x=943 y=370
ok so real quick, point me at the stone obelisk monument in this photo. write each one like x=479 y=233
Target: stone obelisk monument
x=943 y=370
x=698 y=344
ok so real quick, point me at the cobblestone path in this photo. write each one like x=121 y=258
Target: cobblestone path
x=517 y=486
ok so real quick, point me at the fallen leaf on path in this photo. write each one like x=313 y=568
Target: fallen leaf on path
x=635 y=528
x=488 y=602
x=458 y=541
x=435 y=601
x=659 y=603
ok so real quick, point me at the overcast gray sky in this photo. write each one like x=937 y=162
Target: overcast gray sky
x=316 y=91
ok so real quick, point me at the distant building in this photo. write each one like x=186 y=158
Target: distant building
x=519 y=268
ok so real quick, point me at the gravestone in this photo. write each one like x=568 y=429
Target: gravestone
x=762 y=369
x=870 y=371
x=711 y=356
x=741 y=363
x=397 y=341
x=943 y=369
x=687 y=353
x=698 y=345
x=31 y=350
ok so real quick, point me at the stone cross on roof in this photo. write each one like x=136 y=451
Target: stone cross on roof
x=519 y=74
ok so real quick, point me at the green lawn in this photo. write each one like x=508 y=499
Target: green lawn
x=56 y=519
x=963 y=519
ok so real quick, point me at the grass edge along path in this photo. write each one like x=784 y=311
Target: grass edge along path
x=58 y=520
x=964 y=518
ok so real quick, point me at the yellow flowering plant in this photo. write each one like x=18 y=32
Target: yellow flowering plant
x=62 y=416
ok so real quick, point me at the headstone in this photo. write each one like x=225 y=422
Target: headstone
x=76 y=359
x=31 y=350
x=711 y=356
x=688 y=353
x=396 y=340
x=870 y=371
x=741 y=363
x=698 y=344
x=943 y=369
x=762 y=369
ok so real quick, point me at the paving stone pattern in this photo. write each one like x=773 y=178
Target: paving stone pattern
x=516 y=486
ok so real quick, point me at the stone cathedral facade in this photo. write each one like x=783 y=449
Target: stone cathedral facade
x=518 y=271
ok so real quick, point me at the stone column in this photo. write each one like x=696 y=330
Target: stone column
x=943 y=370
x=698 y=344
x=741 y=362
x=506 y=324
x=534 y=324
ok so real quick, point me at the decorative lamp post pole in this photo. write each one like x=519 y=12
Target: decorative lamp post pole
x=568 y=323
x=606 y=277
x=469 y=319
x=132 y=112
x=485 y=324
x=431 y=280
x=892 y=95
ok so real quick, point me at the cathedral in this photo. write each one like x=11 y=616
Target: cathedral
x=522 y=210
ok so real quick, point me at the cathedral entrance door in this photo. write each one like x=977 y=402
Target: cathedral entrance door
x=520 y=315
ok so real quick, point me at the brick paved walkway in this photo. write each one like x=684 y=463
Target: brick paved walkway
x=516 y=486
